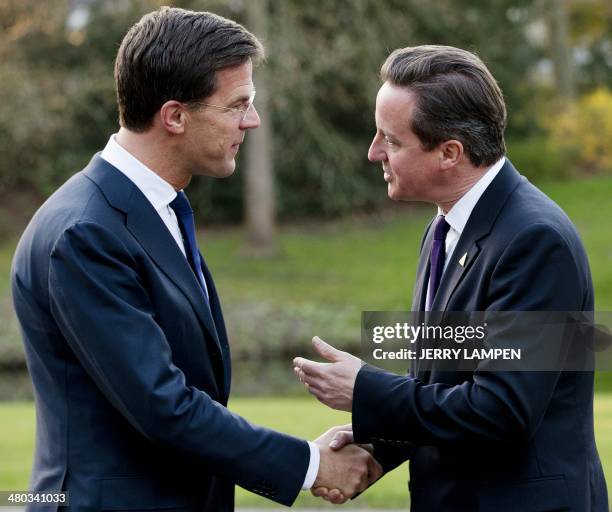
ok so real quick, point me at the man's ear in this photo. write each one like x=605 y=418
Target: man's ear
x=173 y=116
x=451 y=152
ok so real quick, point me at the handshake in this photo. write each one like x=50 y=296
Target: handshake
x=345 y=468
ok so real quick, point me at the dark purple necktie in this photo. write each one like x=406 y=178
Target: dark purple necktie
x=436 y=259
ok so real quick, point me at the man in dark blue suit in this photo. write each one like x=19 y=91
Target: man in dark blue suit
x=123 y=329
x=488 y=441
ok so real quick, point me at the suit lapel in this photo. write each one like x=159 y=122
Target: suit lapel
x=467 y=250
x=217 y=314
x=154 y=237
x=479 y=225
x=150 y=231
x=419 y=295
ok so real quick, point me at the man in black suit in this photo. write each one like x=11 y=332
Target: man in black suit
x=485 y=440
x=122 y=325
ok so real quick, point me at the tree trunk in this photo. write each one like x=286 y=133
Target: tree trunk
x=561 y=48
x=259 y=175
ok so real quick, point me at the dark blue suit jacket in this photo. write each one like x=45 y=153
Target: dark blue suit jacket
x=131 y=368
x=494 y=441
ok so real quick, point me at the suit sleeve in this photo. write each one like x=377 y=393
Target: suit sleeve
x=102 y=307
x=538 y=271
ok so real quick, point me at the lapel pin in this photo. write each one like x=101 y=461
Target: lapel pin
x=462 y=260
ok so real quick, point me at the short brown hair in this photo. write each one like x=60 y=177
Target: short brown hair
x=456 y=97
x=173 y=54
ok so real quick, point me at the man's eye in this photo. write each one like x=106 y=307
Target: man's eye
x=388 y=141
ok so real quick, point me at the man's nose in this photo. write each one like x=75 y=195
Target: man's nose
x=375 y=153
x=251 y=120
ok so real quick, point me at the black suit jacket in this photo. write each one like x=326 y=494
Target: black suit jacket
x=131 y=367
x=491 y=440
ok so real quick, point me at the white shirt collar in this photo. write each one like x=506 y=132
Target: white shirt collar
x=158 y=191
x=459 y=214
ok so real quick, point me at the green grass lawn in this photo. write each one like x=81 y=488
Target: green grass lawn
x=370 y=263
x=303 y=417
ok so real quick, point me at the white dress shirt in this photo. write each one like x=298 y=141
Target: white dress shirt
x=160 y=194
x=459 y=214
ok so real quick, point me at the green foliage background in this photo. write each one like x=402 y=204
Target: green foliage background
x=322 y=66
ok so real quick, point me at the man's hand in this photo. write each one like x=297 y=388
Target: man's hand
x=343 y=436
x=332 y=383
x=344 y=470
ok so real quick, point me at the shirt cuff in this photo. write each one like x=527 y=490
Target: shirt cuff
x=313 y=467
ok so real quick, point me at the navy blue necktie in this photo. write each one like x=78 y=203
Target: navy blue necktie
x=436 y=259
x=184 y=214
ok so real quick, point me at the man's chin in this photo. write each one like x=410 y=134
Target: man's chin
x=230 y=167
x=396 y=194
x=392 y=192
x=224 y=171
x=228 y=170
